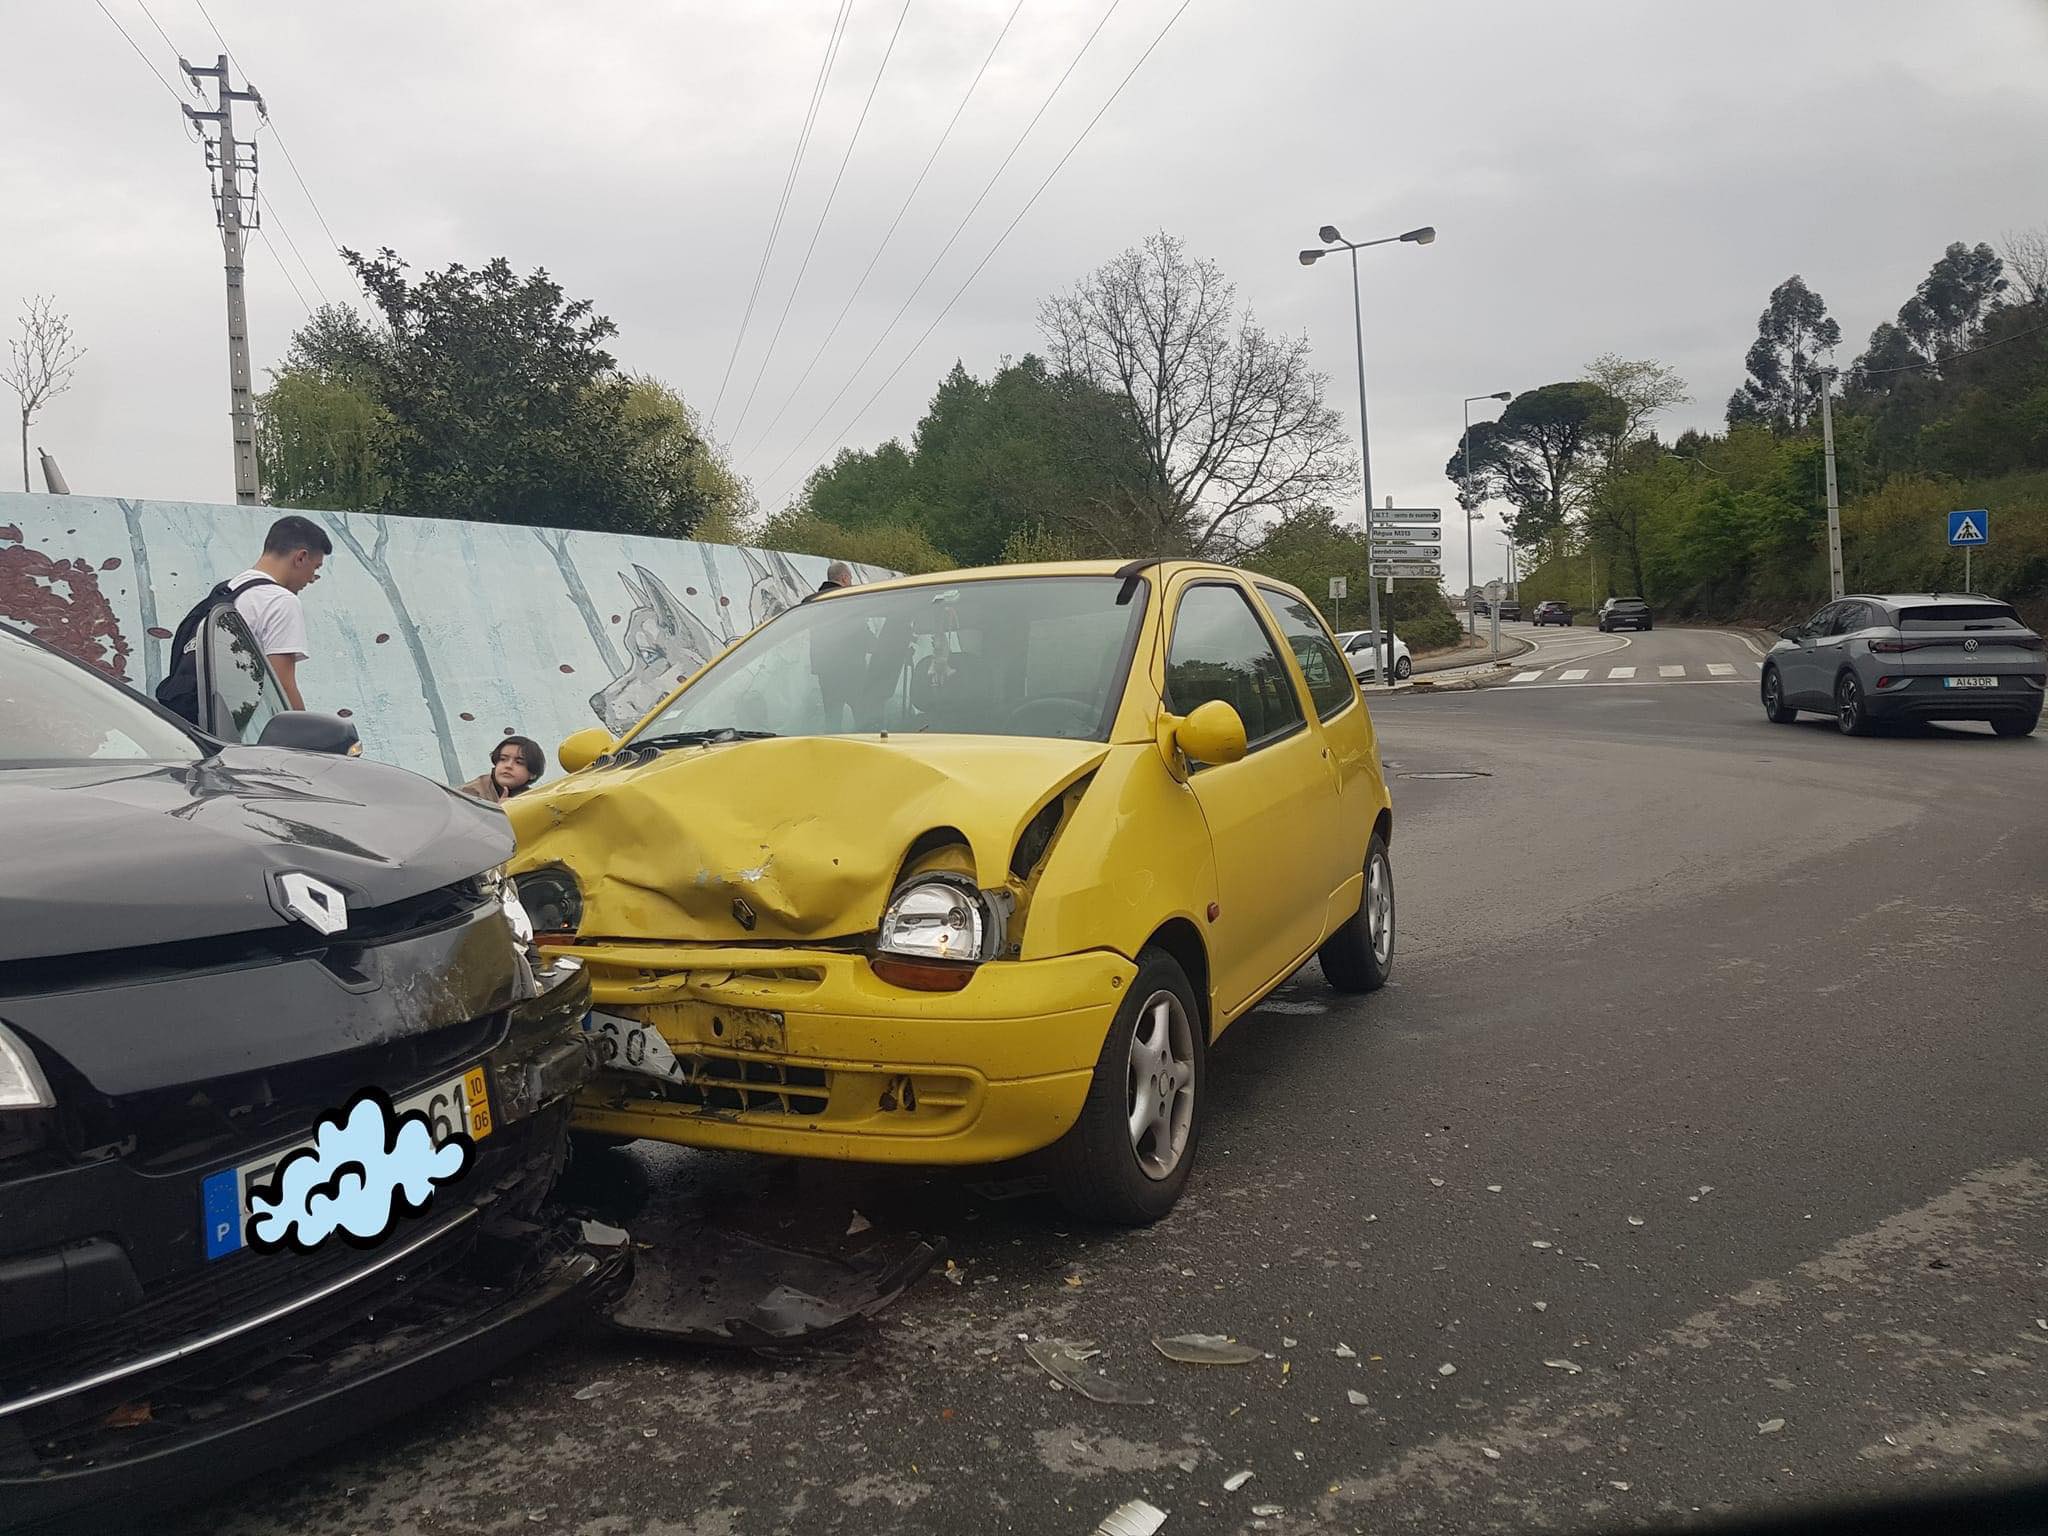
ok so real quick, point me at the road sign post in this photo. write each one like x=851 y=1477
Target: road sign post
x=1340 y=588
x=1495 y=591
x=1969 y=530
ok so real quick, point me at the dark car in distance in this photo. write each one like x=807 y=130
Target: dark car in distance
x=1909 y=656
x=1551 y=611
x=1511 y=608
x=207 y=949
x=1624 y=613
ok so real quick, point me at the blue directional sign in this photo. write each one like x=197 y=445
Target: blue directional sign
x=1968 y=529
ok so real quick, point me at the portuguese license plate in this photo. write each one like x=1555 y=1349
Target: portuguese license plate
x=1969 y=682
x=461 y=1103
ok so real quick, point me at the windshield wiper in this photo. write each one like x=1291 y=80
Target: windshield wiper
x=696 y=738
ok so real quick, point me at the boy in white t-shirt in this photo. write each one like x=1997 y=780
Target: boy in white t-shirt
x=293 y=551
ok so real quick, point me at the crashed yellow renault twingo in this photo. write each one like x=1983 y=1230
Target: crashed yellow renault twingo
x=954 y=869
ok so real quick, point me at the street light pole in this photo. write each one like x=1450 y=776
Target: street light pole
x=1382 y=651
x=1471 y=514
x=1372 y=585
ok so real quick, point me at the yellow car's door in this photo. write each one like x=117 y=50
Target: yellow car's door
x=1266 y=813
x=1347 y=817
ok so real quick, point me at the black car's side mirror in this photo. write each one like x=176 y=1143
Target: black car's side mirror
x=1792 y=634
x=304 y=731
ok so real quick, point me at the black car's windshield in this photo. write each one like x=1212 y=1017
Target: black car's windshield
x=1016 y=656
x=56 y=711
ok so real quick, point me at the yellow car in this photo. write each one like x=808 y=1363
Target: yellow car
x=956 y=868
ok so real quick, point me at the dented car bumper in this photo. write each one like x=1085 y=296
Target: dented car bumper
x=807 y=1053
x=138 y=1363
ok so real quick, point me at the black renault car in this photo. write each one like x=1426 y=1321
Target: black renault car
x=206 y=950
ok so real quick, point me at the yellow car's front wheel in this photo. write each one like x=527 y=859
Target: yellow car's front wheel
x=1127 y=1158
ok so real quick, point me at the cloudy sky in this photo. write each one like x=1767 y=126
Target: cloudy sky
x=1626 y=177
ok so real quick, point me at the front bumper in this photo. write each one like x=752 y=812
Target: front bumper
x=140 y=1378
x=806 y=1053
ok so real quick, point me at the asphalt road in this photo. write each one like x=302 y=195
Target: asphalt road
x=1700 y=1137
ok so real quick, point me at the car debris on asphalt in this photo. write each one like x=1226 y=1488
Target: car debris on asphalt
x=1206 y=1349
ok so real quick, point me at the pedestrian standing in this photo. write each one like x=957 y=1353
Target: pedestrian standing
x=517 y=763
x=838 y=574
x=267 y=596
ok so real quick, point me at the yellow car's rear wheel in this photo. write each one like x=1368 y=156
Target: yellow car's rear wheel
x=1126 y=1158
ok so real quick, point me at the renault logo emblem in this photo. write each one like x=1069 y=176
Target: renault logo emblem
x=313 y=902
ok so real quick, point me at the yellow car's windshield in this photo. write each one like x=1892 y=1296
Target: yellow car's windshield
x=1020 y=656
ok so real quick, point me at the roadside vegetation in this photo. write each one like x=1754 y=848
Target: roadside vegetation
x=1945 y=408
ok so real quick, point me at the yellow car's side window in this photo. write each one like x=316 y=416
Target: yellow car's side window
x=1220 y=650
x=1330 y=684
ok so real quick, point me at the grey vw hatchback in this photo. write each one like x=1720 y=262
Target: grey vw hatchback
x=1911 y=656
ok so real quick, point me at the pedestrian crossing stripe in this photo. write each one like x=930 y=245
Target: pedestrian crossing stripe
x=1621 y=672
x=1527 y=677
x=1572 y=676
x=1720 y=669
x=1671 y=671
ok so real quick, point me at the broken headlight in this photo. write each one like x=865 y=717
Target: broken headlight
x=936 y=929
x=552 y=899
x=497 y=884
x=22 y=1084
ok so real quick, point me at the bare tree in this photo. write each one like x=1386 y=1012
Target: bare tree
x=1232 y=420
x=2026 y=262
x=39 y=364
x=1645 y=389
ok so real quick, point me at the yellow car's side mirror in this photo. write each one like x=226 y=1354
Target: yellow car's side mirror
x=582 y=748
x=1211 y=733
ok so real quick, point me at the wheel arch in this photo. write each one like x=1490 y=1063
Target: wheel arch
x=1183 y=941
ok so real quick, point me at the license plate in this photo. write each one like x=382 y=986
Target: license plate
x=629 y=1045
x=461 y=1103
x=1969 y=682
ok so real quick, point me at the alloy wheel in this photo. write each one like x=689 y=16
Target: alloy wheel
x=1161 y=1101
x=1379 y=908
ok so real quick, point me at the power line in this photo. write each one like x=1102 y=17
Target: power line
x=160 y=32
x=1021 y=212
x=823 y=214
x=890 y=233
x=264 y=202
x=1936 y=362
x=263 y=235
x=803 y=140
x=987 y=187
x=160 y=80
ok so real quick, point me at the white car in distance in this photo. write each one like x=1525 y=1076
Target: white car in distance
x=1359 y=654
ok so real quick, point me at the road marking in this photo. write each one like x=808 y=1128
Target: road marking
x=1639 y=682
x=1671 y=671
x=1720 y=669
x=1572 y=676
x=1527 y=677
x=1621 y=671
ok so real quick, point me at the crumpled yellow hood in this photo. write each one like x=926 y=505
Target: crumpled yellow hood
x=809 y=832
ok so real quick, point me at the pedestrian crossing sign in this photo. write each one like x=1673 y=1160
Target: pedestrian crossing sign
x=1969 y=528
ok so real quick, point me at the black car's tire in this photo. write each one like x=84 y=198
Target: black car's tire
x=1776 y=710
x=2020 y=725
x=1099 y=1170
x=1359 y=957
x=1852 y=715
x=1648 y=626
x=1403 y=668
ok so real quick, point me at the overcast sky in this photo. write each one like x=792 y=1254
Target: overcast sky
x=1623 y=177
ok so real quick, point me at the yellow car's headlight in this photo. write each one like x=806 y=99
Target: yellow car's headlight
x=553 y=899
x=936 y=930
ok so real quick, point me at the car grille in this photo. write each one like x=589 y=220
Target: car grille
x=213 y=1121
x=715 y=1081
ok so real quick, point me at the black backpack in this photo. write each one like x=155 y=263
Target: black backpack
x=179 y=691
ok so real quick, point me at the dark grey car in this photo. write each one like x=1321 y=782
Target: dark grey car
x=1910 y=656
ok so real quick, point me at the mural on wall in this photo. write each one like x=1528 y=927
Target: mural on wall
x=437 y=637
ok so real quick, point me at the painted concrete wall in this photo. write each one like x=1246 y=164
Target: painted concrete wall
x=436 y=637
